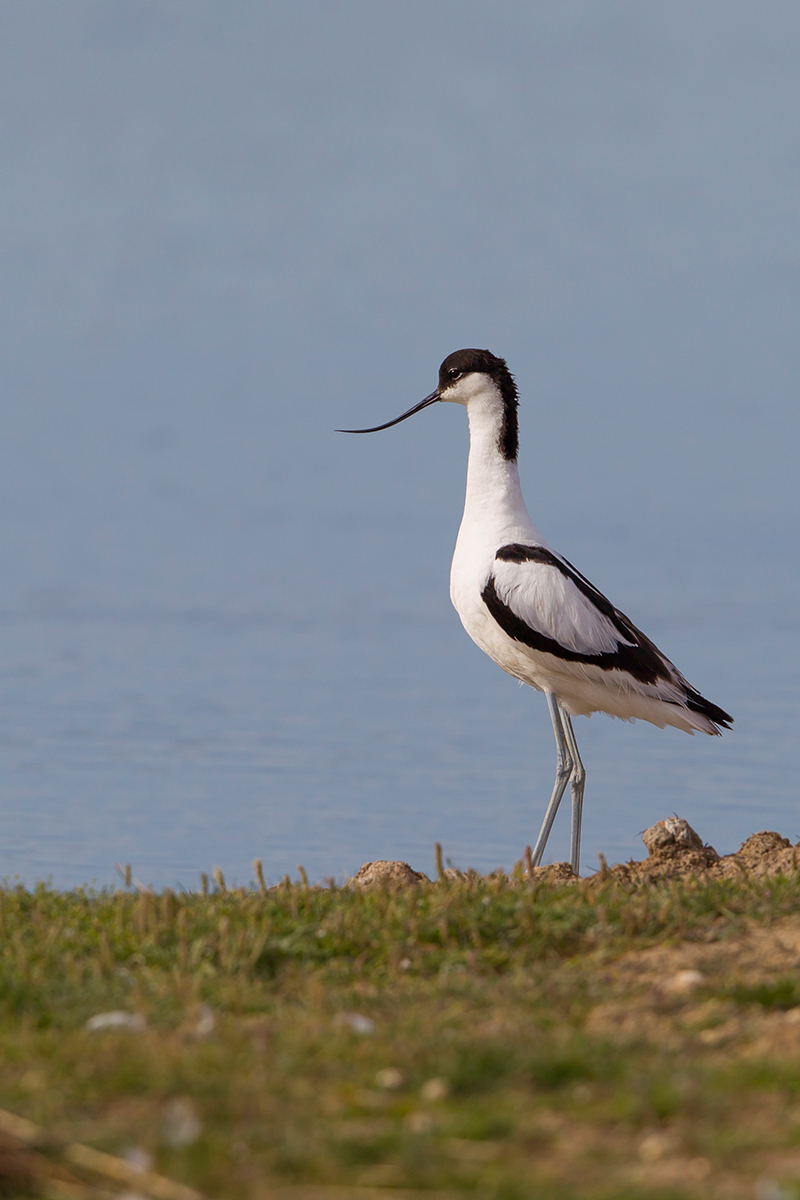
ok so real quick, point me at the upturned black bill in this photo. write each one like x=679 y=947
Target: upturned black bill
x=434 y=396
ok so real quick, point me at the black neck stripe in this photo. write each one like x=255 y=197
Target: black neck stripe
x=465 y=362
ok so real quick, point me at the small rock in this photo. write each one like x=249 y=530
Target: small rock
x=357 y=1022
x=138 y=1159
x=420 y=1122
x=181 y=1126
x=670 y=837
x=199 y=1024
x=205 y=1022
x=683 y=983
x=115 y=1020
x=390 y=1078
x=770 y=1189
x=434 y=1090
x=656 y=1146
x=385 y=873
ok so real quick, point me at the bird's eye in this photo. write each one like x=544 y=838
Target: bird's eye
x=454 y=373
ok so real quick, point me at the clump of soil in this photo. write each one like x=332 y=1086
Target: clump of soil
x=676 y=851
x=559 y=872
x=387 y=874
x=763 y=854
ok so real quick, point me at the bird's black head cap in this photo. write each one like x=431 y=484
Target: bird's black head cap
x=464 y=362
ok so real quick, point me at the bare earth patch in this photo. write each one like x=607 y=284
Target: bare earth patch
x=676 y=851
x=386 y=873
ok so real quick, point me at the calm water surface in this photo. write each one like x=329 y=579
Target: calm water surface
x=179 y=742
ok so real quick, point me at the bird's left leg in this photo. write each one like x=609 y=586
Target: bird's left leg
x=563 y=774
x=577 y=780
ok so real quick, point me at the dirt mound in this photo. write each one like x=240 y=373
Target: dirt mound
x=676 y=851
x=558 y=872
x=388 y=874
x=763 y=854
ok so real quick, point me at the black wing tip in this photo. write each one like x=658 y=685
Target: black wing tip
x=697 y=703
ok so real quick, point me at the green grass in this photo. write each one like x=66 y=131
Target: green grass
x=486 y=998
x=782 y=993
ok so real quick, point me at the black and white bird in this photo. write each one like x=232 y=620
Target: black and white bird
x=531 y=610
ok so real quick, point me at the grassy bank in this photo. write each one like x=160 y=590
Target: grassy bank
x=478 y=1035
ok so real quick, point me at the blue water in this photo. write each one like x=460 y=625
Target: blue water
x=224 y=630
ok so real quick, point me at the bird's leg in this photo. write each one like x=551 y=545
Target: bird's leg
x=577 y=781
x=563 y=772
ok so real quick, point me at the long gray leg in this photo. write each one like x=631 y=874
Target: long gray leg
x=576 y=781
x=563 y=772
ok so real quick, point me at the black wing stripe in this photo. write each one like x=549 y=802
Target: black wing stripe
x=643 y=659
x=515 y=552
x=642 y=662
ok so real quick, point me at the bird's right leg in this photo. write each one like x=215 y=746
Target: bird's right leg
x=563 y=772
x=577 y=782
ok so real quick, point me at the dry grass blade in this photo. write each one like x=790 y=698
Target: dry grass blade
x=97 y=1162
x=118 y=1169
x=439 y=861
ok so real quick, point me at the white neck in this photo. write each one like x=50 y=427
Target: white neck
x=494 y=506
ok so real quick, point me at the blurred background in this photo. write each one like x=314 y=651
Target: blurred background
x=225 y=630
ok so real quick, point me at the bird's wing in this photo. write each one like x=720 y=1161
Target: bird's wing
x=539 y=598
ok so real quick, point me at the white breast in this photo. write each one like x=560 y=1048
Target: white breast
x=494 y=516
x=470 y=571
